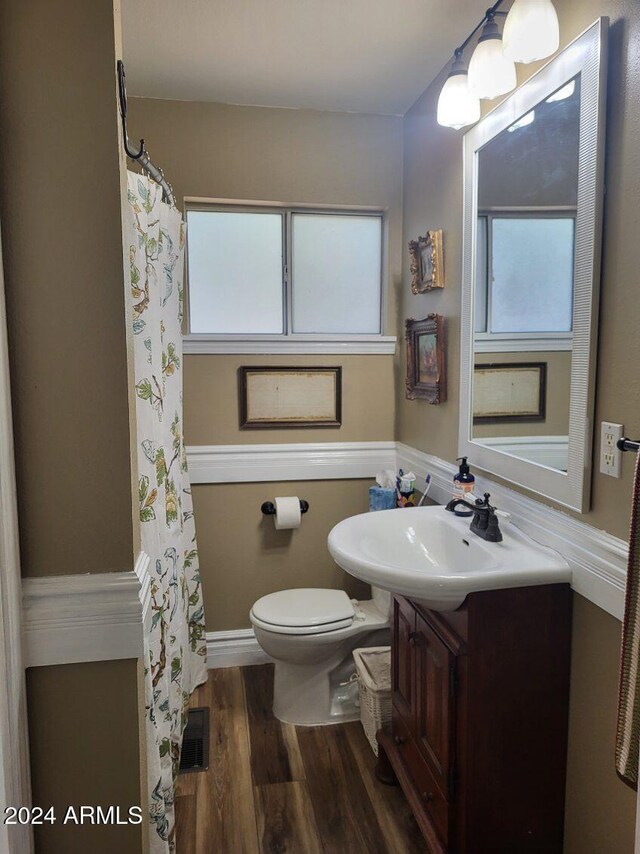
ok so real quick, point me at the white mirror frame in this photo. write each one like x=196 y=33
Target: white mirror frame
x=587 y=56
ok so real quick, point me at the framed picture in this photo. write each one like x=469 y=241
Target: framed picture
x=290 y=397
x=512 y=391
x=427 y=265
x=426 y=372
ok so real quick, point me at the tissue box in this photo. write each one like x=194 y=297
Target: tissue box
x=381 y=498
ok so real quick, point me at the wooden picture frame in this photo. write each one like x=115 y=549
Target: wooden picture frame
x=427 y=262
x=426 y=368
x=282 y=397
x=518 y=391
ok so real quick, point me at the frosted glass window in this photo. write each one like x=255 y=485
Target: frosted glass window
x=532 y=267
x=235 y=272
x=336 y=275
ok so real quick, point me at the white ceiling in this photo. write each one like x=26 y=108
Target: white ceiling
x=370 y=56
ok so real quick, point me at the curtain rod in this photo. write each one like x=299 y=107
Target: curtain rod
x=142 y=155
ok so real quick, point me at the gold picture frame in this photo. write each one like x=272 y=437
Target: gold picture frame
x=426 y=377
x=427 y=262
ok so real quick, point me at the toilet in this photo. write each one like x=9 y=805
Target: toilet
x=310 y=634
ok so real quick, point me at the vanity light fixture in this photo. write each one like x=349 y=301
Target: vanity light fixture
x=457 y=105
x=491 y=73
x=531 y=31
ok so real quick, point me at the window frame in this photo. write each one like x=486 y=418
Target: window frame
x=288 y=341
x=520 y=342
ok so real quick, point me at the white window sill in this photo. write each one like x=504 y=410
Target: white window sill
x=331 y=345
x=534 y=343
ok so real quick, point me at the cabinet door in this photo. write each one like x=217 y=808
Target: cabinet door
x=435 y=701
x=403 y=660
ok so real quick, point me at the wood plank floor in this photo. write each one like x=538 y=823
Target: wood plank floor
x=278 y=789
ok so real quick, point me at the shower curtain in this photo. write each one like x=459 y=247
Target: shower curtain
x=175 y=650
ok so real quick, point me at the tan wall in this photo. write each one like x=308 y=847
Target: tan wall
x=243 y=557
x=600 y=809
x=600 y=814
x=62 y=244
x=556 y=422
x=85 y=751
x=289 y=156
x=211 y=400
x=61 y=222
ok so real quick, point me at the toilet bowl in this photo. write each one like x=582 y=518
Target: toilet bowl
x=310 y=634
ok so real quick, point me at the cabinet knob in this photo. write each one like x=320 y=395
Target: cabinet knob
x=413 y=638
x=399 y=739
x=427 y=796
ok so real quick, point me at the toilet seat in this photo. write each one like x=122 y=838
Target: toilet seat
x=303 y=611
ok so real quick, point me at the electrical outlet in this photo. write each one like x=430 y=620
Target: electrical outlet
x=610 y=454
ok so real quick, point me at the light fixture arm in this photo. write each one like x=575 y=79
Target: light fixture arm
x=489 y=15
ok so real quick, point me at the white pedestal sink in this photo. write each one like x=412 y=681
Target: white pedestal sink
x=428 y=553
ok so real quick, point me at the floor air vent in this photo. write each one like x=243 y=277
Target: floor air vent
x=195 y=742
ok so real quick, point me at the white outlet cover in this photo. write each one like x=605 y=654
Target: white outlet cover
x=610 y=454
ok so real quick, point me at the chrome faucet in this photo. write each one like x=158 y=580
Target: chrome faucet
x=485 y=520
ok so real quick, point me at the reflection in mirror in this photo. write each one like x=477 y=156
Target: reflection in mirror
x=524 y=281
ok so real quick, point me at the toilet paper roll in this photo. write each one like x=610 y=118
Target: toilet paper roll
x=287 y=514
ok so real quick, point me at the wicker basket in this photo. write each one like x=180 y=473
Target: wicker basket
x=373 y=666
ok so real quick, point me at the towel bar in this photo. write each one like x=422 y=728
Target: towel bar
x=627 y=445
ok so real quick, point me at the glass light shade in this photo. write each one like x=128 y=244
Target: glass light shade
x=531 y=31
x=457 y=105
x=491 y=73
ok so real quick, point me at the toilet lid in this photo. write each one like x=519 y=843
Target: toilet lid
x=305 y=608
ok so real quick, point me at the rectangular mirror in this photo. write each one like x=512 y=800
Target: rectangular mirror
x=533 y=185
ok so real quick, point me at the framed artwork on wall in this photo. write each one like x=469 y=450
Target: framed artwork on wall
x=426 y=369
x=509 y=391
x=427 y=263
x=276 y=397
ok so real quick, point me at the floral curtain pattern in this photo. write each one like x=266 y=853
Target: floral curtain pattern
x=175 y=651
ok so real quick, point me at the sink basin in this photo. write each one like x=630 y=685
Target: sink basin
x=428 y=553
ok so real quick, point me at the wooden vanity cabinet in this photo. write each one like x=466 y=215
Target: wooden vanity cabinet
x=480 y=711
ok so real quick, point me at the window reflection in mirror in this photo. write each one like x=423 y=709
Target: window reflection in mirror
x=524 y=282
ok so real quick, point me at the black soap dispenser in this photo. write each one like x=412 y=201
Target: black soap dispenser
x=463 y=483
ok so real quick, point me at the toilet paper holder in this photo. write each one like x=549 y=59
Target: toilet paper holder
x=269 y=508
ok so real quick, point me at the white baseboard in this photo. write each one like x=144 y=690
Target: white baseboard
x=237 y=648
x=297 y=461
x=69 y=619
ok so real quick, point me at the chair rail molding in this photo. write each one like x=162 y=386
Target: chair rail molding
x=69 y=619
x=75 y=618
x=298 y=461
x=598 y=560
x=552 y=451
